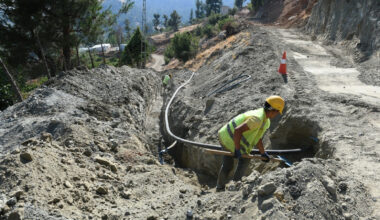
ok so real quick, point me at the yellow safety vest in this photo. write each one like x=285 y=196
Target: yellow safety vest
x=249 y=138
x=166 y=79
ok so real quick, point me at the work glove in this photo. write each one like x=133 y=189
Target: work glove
x=266 y=155
x=237 y=154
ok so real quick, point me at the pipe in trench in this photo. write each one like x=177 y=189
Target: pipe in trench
x=205 y=145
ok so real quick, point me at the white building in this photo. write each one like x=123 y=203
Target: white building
x=98 y=47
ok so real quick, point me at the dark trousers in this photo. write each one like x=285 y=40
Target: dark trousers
x=227 y=166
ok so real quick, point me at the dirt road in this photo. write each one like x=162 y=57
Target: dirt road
x=334 y=73
x=157 y=63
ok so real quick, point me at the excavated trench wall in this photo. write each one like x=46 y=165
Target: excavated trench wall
x=288 y=132
x=356 y=21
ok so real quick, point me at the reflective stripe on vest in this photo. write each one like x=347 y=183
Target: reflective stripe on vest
x=243 y=139
x=249 y=138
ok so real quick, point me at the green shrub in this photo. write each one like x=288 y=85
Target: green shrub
x=209 y=31
x=167 y=60
x=231 y=27
x=198 y=31
x=183 y=46
x=232 y=11
x=214 y=18
x=169 y=52
x=6 y=94
x=221 y=23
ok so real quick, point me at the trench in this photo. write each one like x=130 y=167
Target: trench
x=287 y=132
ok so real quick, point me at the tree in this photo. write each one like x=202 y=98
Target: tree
x=183 y=46
x=239 y=3
x=119 y=38
x=174 y=20
x=256 y=4
x=15 y=88
x=59 y=25
x=127 y=28
x=191 y=16
x=213 y=6
x=200 y=9
x=156 y=21
x=131 y=55
x=94 y=24
x=166 y=20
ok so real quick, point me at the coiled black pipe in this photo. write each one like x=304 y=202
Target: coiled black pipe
x=209 y=146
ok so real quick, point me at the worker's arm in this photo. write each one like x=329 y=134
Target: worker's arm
x=238 y=133
x=260 y=146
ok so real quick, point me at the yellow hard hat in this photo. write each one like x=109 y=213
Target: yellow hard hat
x=276 y=102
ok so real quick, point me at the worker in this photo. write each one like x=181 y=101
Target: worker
x=166 y=80
x=242 y=133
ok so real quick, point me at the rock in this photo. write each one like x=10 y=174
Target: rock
x=246 y=190
x=342 y=187
x=107 y=163
x=252 y=177
x=329 y=185
x=125 y=195
x=101 y=190
x=87 y=152
x=267 y=189
x=15 y=215
x=31 y=141
x=242 y=210
x=12 y=201
x=17 y=193
x=68 y=184
x=267 y=204
x=69 y=143
x=113 y=145
x=183 y=191
x=347 y=216
x=16 y=151
x=47 y=137
x=54 y=201
x=152 y=217
x=222 y=35
x=26 y=157
x=344 y=206
x=199 y=202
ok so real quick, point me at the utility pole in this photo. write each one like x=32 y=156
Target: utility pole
x=143 y=45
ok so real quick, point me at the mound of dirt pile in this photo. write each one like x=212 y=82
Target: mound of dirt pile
x=78 y=149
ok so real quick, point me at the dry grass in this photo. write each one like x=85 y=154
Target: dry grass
x=207 y=54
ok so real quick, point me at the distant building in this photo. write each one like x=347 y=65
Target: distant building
x=98 y=47
x=224 y=10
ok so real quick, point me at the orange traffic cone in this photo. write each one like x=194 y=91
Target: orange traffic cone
x=282 y=68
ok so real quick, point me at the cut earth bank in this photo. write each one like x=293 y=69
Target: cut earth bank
x=84 y=148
